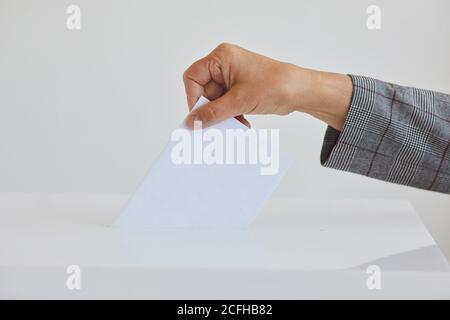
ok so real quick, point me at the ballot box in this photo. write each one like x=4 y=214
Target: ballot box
x=63 y=246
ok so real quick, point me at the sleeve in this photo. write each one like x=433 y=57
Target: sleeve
x=393 y=133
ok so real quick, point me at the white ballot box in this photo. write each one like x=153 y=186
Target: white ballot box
x=296 y=248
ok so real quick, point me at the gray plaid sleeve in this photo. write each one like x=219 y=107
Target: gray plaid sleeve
x=393 y=133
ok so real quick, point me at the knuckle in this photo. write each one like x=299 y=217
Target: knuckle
x=225 y=46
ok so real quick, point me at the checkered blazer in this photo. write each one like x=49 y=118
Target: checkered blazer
x=393 y=133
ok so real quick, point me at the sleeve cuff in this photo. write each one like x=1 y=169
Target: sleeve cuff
x=339 y=147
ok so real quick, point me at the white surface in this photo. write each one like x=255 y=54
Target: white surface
x=296 y=248
x=88 y=111
x=201 y=194
x=163 y=283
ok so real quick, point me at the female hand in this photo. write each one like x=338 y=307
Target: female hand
x=240 y=82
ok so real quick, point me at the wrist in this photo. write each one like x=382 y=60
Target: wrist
x=324 y=95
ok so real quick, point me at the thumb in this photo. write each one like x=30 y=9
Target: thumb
x=227 y=106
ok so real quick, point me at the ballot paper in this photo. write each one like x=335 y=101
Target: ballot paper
x=220 y=176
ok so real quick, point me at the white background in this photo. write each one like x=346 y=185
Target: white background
x=89 y=110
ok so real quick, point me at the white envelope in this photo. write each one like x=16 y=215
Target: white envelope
x=201 y=195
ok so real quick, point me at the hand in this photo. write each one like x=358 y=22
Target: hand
x=240 y=82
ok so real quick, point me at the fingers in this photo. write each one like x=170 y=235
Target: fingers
x=206 y=77
x=209 y=77
x=212 y=90
x=203 y=78
x=195 y=78
x=216 y=111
